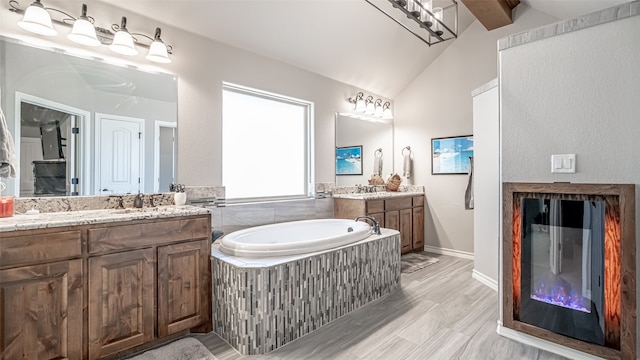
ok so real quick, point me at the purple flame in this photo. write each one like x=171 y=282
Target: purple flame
x=557 y=295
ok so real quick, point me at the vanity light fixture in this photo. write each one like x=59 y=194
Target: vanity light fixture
x=37 y=19
x=374 y=109
x=83 y=31
x=123 y=41
x=431 y=25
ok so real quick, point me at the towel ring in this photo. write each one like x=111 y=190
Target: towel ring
x=408 y=148
x=378 y=151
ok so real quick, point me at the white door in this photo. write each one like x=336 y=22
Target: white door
x=30 y=150
x=119 y=157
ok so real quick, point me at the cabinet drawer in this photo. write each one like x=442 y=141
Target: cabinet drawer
x=397 y=204
x=375 y=206
x=418 y=201
x=147 y=234
x=37 y=248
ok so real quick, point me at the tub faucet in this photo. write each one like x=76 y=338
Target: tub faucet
x=374 y=222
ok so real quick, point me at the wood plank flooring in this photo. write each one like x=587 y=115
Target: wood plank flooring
x=440 y=313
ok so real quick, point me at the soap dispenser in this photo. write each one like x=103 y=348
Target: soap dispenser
x=137 y=203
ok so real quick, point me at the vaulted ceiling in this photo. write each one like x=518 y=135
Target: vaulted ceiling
x=346 y=40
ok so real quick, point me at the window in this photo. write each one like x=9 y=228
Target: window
x=266 y=142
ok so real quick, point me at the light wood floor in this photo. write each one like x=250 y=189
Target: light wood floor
x=440 y=313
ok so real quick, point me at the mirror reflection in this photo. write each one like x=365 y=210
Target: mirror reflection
x=85 y=127
x=376 y=139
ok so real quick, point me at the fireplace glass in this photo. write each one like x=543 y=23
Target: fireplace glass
x=562 y=267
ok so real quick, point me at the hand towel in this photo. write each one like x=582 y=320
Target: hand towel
x=406 y=166
x=7 y=150
x=468 y=194
x=377 y=163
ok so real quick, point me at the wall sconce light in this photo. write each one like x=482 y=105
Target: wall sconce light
x=368 y=106
x=37 y=19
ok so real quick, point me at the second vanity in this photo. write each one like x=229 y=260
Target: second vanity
x=402 y=211
x=103 y=283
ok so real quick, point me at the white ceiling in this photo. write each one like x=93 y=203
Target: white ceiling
x=346 y=40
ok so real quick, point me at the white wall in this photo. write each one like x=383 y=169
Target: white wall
x=486 y=184
x=574 y=93
x=438 y=104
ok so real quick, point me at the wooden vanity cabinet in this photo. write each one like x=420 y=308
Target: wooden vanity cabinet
x=402 y=213
x=103 y=290
x=147 y=281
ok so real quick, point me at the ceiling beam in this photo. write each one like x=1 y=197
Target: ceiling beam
x=492 y=13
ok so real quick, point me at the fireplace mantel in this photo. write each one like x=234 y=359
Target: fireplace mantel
x=615 y=316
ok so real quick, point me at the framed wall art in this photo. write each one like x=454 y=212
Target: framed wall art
x=349 y=160
x=450 y=155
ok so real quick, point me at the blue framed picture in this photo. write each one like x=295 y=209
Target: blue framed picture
x=349 y=160
x=451 y=155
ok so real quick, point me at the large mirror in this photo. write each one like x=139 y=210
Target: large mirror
x=376 y=139
x=82 y=126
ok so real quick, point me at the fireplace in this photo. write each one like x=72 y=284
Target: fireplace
x=569 y=265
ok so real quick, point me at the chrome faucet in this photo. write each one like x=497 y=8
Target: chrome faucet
x=374 y=222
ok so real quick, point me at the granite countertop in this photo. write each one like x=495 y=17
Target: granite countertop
x=376 y=195
x=85 y=217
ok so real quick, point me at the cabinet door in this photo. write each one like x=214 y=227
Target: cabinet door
x=121 y=301
x=41 y=311
x=392 y=220
x=418 y=228
x=406 y=230
x=396 y=220
x=184 y=291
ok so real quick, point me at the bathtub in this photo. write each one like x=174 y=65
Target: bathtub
x=262 y=303
x=293 y=238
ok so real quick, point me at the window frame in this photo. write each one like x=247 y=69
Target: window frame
x=308 y=189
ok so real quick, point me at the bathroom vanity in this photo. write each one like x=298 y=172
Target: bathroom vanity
x=102 y=283
x=399 y=211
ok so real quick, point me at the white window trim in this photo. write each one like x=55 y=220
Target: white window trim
x=309 y=187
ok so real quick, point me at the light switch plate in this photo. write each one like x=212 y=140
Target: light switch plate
x=563 y=163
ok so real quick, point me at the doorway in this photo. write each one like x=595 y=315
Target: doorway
x=49 y=138
x=119 y=162
x=164 y=167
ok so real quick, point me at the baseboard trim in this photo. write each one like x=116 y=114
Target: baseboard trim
x=450 y=252
x=543 y=344
x=493 y=284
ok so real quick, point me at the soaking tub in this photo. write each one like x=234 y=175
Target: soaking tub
x=323 y=272
x=295 y=237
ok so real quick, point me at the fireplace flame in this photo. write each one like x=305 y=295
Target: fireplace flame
x=558 y=295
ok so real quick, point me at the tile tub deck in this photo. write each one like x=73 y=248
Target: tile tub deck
x=260 y=305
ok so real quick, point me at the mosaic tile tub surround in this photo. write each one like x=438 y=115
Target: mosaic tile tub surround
x=261 y=307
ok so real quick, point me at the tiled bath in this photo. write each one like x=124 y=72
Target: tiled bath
x=262 y=304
